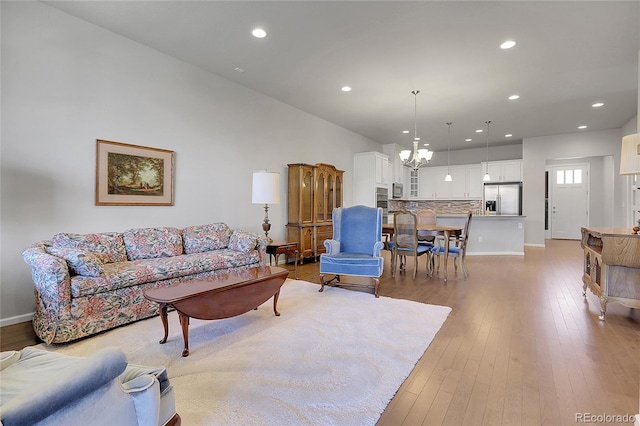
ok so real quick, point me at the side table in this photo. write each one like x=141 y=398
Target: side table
x=276 y=248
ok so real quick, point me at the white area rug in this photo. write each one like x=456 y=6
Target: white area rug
x=331 y=358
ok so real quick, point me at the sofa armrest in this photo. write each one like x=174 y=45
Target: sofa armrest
x=49 y=272
x=60 y=392
x=52 y=283
x=261 y=246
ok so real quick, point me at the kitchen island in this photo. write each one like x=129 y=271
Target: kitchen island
x=488 y=235
x=491 y=235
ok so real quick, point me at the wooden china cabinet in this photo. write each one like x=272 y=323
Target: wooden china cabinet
x=314 y=191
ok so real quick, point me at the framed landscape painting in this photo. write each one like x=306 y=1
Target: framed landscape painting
x=133 y=175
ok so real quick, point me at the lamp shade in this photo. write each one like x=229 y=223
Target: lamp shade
x=630 y=155
x=265 y=188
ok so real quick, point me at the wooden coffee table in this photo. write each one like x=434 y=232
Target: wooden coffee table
x=221 y=296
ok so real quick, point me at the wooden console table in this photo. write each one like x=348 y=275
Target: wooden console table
x=276 y=248
x=611 y=266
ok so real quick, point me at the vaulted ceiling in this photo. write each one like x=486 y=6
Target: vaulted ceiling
x=568 y=56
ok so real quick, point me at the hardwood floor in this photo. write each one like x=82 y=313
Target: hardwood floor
x=522 y=346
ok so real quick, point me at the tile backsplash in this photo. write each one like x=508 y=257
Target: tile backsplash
x=442 y=207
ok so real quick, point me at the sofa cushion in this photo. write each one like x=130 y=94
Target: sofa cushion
x=152 y=243
x=126 y=274
x=243 y=241
x=198 y=239
x=81 y=262
x=107 y=246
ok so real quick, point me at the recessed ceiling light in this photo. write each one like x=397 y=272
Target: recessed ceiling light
x=514 y=97
x=582 y=127
x=597 y=105
x=346 y=89
x=405 y=131
x=416 y=139
x=259 y=33
x=468 y=140
x=426 y=144
x=508 y=135
x=507 y=44
x=238 y=69
x=479 y=131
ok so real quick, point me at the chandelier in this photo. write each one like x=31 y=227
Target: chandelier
x=420 y=157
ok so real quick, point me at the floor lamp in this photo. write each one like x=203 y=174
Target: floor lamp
x=266 y=190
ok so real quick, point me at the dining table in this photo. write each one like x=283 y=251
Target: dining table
x=432 y=230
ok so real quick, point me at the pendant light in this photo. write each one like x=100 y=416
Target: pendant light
x=448 y=178
x=486 y=177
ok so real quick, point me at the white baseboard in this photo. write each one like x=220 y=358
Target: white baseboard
x=495 y=253
x=534 y=245
x=15 y=320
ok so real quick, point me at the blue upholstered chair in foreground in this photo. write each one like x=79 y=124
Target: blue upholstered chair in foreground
x=355 y=247
x=47 y=388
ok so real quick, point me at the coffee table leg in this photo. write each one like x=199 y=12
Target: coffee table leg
x=275 y=303
x=184 y=322
x=165 y=322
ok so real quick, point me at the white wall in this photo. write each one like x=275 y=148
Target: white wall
x=535 y=154
x=66 y=83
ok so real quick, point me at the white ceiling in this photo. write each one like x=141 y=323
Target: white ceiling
x=568 y=56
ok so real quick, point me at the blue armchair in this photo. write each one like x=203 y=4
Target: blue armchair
x=355 y=247
x=38 y=387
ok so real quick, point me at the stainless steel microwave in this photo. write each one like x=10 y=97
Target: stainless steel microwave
x=398 y=190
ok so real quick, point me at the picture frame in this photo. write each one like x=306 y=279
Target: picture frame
x=133 y=175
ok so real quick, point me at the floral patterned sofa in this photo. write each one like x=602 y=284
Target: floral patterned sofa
x=85 y=284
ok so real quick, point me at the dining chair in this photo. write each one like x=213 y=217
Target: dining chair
x=457 y=249
x=405 y=241
x=426 y=217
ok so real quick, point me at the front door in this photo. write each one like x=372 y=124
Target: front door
x=569 y=200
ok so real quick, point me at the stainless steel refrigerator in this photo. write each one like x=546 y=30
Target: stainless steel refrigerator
x=504 y=198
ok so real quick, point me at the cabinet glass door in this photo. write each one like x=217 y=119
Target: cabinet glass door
x=339 y=190
x=307 y=196
x=321 y=197
x=330 y=197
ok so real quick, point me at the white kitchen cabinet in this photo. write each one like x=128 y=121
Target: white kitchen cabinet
x=396 y=169
x=504 y=171
x=370 y=171
x=475 y=186
x=466 y=182
x=431 y=184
